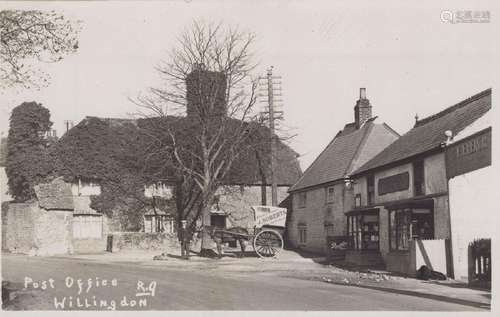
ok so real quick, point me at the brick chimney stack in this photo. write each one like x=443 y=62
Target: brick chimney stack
x=206 y=93
x=363 y=109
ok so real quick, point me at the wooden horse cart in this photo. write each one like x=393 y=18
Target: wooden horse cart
x=266 y=236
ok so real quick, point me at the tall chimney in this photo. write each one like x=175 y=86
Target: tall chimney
x=206 y=93
x=363 y=109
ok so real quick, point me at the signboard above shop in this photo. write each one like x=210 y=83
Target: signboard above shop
x=469 y=154
x=394 y=183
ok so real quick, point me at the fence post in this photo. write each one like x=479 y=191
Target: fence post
x=450 y=272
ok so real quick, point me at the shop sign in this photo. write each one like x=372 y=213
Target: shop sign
x=394 y=183
x=469 y=154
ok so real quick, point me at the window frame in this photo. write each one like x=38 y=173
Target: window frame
x=370 y=189
x=418 y=181
x=395 y=228
x=356 y=231
x=302 y=229
x=329 y=199
x=329 y=229
x=357 y=200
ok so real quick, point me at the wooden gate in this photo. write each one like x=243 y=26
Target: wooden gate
x=480 y=262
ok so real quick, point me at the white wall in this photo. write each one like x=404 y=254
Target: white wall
x=4 y=185
x=85 y=189
x=473 y=214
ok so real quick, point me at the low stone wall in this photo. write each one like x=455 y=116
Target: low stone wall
x=53 y=232
x=19 y=225
x=141 y=241
x=431 y=253
x=36 y=231
x=399 y=262
x=89 y=245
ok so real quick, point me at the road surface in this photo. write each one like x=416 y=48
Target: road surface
x=181 y=289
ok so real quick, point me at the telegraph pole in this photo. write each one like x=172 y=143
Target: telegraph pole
x=69 y=124
x=272 y=90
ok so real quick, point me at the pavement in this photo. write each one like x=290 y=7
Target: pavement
x=274 y=277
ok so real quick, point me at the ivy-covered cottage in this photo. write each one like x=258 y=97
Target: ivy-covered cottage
x=116 y=169
x=321 y=195
x=401 y=212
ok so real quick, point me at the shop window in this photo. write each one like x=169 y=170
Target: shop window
x=418 y=178
x=407 y=224
x=302 y=234
x=370 y=184
x=302 y=199
x=363 y=231
x=330 y=194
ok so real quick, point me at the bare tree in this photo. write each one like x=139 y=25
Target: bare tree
x=207 y=78
x=28 y=35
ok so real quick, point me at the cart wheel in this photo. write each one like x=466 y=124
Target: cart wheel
x=267 y=243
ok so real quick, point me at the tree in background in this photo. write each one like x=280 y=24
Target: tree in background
x=27 y=162
x=207 y=77
x=29 y=35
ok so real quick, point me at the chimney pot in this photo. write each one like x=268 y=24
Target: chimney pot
x=362 y=93
x=363 y=109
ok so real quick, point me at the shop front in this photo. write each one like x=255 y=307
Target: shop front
x=363 y=228
x=412 y=237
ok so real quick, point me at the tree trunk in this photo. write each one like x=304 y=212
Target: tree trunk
x=206 y=239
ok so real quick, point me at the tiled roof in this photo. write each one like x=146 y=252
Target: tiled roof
x=336 y=160
x=428 y=133
x=55 y=195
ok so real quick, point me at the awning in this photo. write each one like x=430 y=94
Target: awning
x=410 y=203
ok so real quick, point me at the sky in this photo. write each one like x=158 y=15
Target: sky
x=407 y=58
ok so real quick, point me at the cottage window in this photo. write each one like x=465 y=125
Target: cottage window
x=302 y=234
x=329 y=229
x=330 y=194
x=406 y=224
x=159 y=223
x=302 y=199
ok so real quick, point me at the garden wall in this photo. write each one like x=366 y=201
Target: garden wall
x=141 y=241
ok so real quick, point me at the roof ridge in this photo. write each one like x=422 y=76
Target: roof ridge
x=452 y=108
x=317 y=158
x=337 y=137
x=369 y=127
